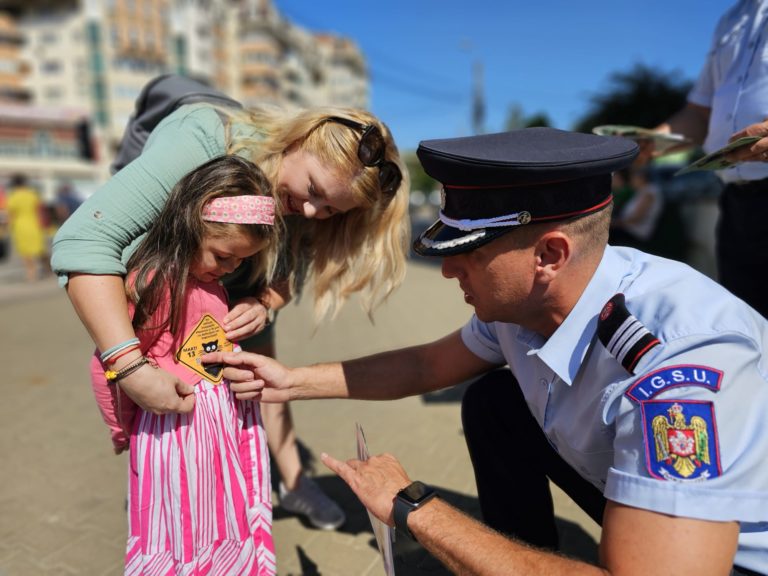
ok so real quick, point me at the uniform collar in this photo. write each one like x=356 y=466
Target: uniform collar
x=565 y=350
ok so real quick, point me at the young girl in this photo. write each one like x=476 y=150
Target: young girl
x=200 y=496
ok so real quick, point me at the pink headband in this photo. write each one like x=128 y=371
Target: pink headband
x=240 y=210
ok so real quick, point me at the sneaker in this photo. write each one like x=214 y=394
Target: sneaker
x=309 y=500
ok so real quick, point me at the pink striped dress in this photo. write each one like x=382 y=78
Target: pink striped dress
x=199 y=489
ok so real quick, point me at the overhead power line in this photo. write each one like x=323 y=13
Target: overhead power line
x=398 y=75
x=402 y=84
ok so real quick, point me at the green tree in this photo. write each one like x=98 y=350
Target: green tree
x=419 y=179
x=643 y=96
x=517 y=119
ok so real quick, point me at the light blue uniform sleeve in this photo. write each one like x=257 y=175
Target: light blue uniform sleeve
x=101 y=234
x=722 y=53
x=692 y=433
x=704 y=88
x=482 y=341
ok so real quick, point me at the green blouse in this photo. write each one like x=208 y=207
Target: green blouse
x=101 y=235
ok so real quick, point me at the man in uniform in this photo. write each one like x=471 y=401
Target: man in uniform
x=634 y=383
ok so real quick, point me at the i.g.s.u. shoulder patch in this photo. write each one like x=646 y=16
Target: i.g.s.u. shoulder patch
x=623 y=335
x=680 y=440
x=680 y=436
x=664 y=379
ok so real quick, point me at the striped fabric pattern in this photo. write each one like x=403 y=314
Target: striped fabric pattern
x=623 y=335
x=200 y=494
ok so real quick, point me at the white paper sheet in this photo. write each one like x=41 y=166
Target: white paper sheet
x=384 y=534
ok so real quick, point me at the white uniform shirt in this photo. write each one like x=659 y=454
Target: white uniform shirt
x=734 y=81
x=619 y=430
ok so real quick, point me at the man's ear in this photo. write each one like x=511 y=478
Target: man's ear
x=553 y=251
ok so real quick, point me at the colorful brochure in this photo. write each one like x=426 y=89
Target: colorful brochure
x=662 y=142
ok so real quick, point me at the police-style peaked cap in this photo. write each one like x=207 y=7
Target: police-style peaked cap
x=495 y=182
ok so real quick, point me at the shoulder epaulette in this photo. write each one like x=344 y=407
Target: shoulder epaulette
x=623 y=335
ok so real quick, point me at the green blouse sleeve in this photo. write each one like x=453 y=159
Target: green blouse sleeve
x=99 y=237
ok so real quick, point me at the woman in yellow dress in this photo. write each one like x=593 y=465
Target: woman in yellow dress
x=27 y=232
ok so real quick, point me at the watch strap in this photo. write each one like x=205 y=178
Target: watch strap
x=401 y=511
x=403 y=507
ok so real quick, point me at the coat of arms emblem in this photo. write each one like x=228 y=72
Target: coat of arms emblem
x=680 y=442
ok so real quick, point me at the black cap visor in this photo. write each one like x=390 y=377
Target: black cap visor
x=443 y=240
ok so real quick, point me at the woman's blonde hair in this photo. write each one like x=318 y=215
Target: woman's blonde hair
x=363 y=250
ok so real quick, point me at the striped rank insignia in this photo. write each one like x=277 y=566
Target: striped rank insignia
x=623 y=335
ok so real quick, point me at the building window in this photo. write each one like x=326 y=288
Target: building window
x=8 y=66
x=53 y=93
x=49 y=38
x=50 y=67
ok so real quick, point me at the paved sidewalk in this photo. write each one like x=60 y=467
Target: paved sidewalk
x=62 y=491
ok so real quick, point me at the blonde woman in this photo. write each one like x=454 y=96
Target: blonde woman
x=342 y=190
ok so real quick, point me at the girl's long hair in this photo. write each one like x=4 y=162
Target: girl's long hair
x=363 y=250
x=161 y=264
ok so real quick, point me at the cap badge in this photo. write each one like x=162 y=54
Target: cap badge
x=523 y=218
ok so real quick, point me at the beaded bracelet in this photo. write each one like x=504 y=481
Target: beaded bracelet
x=113 y=376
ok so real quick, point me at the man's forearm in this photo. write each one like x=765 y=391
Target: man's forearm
x=692 y=121
x=385 y=376
x=468 y=547
x=390 y=375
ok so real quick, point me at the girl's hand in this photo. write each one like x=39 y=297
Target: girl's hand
x=248 y=317
x=158 y=391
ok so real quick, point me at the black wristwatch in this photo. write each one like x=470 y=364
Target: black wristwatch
x=410 y=498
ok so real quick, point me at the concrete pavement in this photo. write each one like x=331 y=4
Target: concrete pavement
x=62 y=491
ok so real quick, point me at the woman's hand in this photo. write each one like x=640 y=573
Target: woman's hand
x=248 y=317
x=158 y=391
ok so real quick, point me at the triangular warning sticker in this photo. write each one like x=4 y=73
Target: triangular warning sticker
x=208 y=336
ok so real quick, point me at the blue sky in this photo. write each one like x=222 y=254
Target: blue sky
x=546 y=56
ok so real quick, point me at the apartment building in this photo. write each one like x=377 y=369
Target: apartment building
x=50 y=143
x=89 y=59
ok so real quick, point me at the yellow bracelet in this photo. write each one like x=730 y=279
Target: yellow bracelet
x=113 y=376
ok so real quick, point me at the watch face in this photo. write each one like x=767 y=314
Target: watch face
x=415 y=493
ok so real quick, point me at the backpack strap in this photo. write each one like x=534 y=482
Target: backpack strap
x=623 y=335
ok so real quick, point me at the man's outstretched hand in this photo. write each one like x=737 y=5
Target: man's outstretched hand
x=253 y=376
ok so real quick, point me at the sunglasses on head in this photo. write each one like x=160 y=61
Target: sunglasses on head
x=371 y=151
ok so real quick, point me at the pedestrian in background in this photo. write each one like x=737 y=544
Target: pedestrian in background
x=28 y=234
x=4 y=241
x=728 y=101
x=66 y=203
